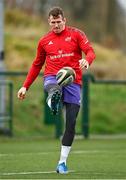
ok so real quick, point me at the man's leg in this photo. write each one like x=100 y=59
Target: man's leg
x=71 y=112
x=71 y=116
x=68 y=137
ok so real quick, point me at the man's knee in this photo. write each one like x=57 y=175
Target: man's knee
x=52 y=87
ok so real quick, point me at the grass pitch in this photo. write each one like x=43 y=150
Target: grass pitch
x=37 y=159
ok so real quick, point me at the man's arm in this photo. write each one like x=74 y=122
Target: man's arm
x=86 y=47
x=33 y=71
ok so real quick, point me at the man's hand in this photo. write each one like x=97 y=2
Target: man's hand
x=83 y=64
x=21 y=93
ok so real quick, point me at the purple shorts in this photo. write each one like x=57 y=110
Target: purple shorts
x=70 y=93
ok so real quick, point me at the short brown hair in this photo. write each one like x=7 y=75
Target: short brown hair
x=56 y=11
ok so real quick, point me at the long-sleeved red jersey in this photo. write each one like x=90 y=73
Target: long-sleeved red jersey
x=60 y=50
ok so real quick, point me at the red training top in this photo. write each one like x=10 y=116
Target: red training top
x=60 y=50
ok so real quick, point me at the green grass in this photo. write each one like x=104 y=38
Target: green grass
x=89 y=159
x=28 y=116
x=107 y=107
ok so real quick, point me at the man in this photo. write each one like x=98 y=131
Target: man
x=62 y=46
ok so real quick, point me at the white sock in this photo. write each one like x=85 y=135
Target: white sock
x=64 y=153
x=49 y=102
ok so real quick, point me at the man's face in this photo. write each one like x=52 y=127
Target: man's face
x=57 y=24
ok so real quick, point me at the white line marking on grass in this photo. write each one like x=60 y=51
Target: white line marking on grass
x=87 y=152
x=47 y=153
x=73 y=152
x=22 y=173
x=22 y=154
x=97 y=152
x=27 y=173
x=99 y=173
x=54 y=172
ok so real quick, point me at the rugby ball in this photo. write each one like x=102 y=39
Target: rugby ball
x=65 y=76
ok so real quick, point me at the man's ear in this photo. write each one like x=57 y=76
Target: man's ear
x=64 y=20
x=48 y=20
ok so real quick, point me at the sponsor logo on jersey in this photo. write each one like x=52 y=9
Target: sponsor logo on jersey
x=62 y=55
